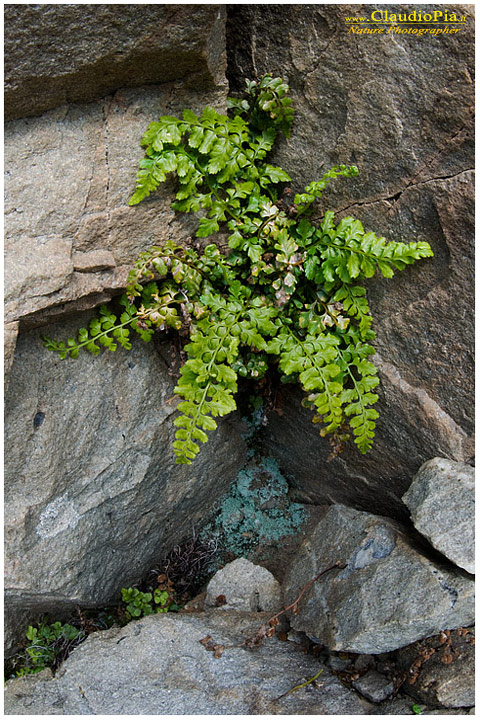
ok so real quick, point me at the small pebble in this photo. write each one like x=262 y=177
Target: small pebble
x=373 y=686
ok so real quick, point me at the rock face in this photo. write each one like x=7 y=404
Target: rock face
x=408 y=127
x=93 y=495
x=244 y=586
x=441 y=670
x=55 y=56
x=158 y=666
x=441 y=500
x=10 y=332
x=70 y=235
x=92 y=492
x=387 y=596
x=70 y=172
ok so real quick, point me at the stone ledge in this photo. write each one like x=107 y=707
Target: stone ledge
x=57 y=54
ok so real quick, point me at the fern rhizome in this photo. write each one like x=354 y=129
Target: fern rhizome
x=286 y=289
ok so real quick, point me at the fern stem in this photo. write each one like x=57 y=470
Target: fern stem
x=105 y=332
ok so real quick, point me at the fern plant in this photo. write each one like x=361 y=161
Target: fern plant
x=287 y=289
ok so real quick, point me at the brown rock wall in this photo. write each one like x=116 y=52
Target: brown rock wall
x=400 y=107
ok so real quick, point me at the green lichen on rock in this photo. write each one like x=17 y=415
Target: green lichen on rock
x=257 y=510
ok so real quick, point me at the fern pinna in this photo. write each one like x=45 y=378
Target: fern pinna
x=287 y=289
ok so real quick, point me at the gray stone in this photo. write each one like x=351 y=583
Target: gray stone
x=340 y=662
x=363 y=663
x=398 y=706
x=10 y=332
x=91 y=481
x=70 y=172
x=93 y=261
x=408 y=126
x=441 y=670
x=441 y=500
x=388 y=595
x=448 y=711
x=245 y=586
x=93 y=496
x=158 y=666
x=69 y=232
x=373 y=686
x=63 y=54
x=39 y=268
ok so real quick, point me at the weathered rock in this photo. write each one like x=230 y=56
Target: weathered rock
x=245 y=586
x=363 y=662
x=374 y=686
x=441 y=670
x=412 y=428
x=10 y=332
x=92 y=492
x=91 y=484
x=408 y=127
x=70 y=172
x=257 y=520
x=397 y=706
x=339 y=662
x=387 y=596
x=158 y=666
x=441 y=500
x=449 y=711
x=69 y=233
x=404 y=705
x=93 y=261
x=63 y=54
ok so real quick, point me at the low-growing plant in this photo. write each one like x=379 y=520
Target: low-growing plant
x=287 y=289
x=140 y=604
x=46 y=646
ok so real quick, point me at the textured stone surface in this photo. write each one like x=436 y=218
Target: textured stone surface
x=388 y=596
x=374 y=686
x=408 y=126
x=157 y=666
x=411 y=429
x=69 y=233
x=441 y=500
x=92 y=492
x=245 y=586
x=10 y=332
x=91 y=484
x=397 y=706
x=441 y=669
x=62 y=54
x=93 y=261
x=408 y=121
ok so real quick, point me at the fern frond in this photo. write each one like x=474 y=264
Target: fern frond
x=172 y=260
x=266 y=105
x=286 y=287
x=355 y=304
x=314 y=190
x=106 y=329
x=348 y=253
x=313 y=359
x=359 y=398
x=207 y=382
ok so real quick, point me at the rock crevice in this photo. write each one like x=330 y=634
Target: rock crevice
x=83 y=83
